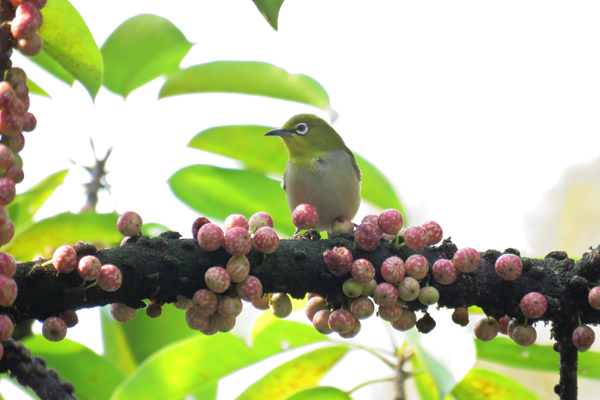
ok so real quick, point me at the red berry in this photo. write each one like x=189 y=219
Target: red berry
x=353 y=332
x=321 y=322
x=196 y=320
x=15 y=174
x=11 y=123
x=305 y=217
x=27 y=21
x=217 y=279
x=352 y=288
x=583 y=338
x=29 y=124
x=238 y=268
x=385 y=294
x=129 y=224
x=503 y=324
x=230 y=306
x=367 y=236
x=533 y=305
x=54 y=329
x=222 y=323
x=260 y=219
x=70 y=317
x=210 y=237
x=466 y=260
x=266 y=240
x=509 y=267
x=8 y=291
x=7 y=191
x=338 y=260
x=8 y=98
x=261 y=304
x=16 y=144
x=486 y=329
x=416 y=237
x=371 y=218
x=391 y=313
x=434 y=232
x=444 y=272
x=65 y=259
x=238 y=241
x=7 y=231
x=390 y=221
x=205 y=302
x=342 y=225
x=281 y=305
x=408 y=289
x=235 y=221
x=363 y=271
x=39 y=4
x=3 y=215
x=341 y=321
x=89 y=268
x=122 y=312
x=110 y=278
x=182 y=303
x=524 y=335
x=429 y=295
x=392 y=269
x=362 y=307
x=594 y=297
x=406 y=321
x=250 y=289
x=6 y=327
x=8 y=265
x=6 y=157
x=417 y=266
x=30 y=46
x=313 y=305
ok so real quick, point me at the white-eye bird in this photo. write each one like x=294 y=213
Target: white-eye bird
x=321 y=170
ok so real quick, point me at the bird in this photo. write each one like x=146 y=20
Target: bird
x=321 y=170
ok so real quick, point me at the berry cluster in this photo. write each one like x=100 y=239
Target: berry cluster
x=8 y=294
x=28 y=20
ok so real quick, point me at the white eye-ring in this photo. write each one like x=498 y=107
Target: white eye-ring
x=301 y=128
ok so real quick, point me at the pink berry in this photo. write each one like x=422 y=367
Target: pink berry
x=390 y=221
x=509 y=267
x=29 y=124
x=122 y=312
x=305 y=217
x=8 y=266
x=466 y=260
x=8 y=291
x=230 y=306
x=444 y=272
x=434 y=231
x=27 y=21
x=210 y=237
x=503 y=324
x=3 y=215
x=6 y=157
x=417 y=266
x=236 y=221
x=367 y=236
x=7 y=191
x=321 y=322
x=392 y=269
x=16 y=144
x=110 y=278
x=238 y=268
x=65 y=259
x=341 y=321
x=205 y=302
x=406 y=321
x=129 y=224
x=196 y=320
x=266 y=240
x=11 y=123
x=217 y=279
x=238 y=241
x=363 y=271
x=486 y=329
x=222 y=323
x=352 y=288
x=524 y=335
x=385 y=294
x=342 y=225
x=182 y=303
x=261 y=304
x=281 y=305
x=54 y=329
x=594 y=297
x=208 y=330
x=89 y=268
x=362 y=307
x=338 y=260
x=583 y=338
x=6 y=327
x=313 y=305
x=30 y=46
x=7 y=231
x=408 y=289
x=391 y=313
x=8 y=98
x=15 y=174
x=260 y=219
x=429 y=295
x=416 y=237
x=533 y=305
x=353 y=332
x=371 y=218
x=250 y=289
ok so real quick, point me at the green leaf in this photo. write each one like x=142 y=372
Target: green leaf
x=284 y=335
x=94 y=376
x=140 y=50
x=270 y=10
x=27 y=204
x=376 y=187
x=186 y=367
x=218 y=192
x=44 y=61
x=302 y=372
x=480 y=384
x=247 y=77
x=69 y=42
x=116 y=346
x=425 y=385
x=321 y=393
x=34 y=88
x=50 y=233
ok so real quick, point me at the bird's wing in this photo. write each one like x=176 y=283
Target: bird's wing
x=354 y=164
x=283 y=181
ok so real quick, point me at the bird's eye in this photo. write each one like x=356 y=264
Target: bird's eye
x=301 y=128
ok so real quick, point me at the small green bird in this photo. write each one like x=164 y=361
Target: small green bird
x=321 y=170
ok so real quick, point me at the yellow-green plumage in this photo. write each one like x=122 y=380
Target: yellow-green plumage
x=321 y=170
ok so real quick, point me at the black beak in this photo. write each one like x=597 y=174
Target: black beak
x=279 y=132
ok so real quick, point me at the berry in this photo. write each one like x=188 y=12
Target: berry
x=7 y=191
x=8 y=265
x=27 y=21
x=363 y=271
x=444 y=272
x=406 y=321
x=460 y=316
x=196 y=320
x=54 y=329
x=65 y=259
x=261 y=304
x=509 y=267
x=154 y=310
x=416 y=237
x=250 y=289
x=182 y=303
x=392 y=269
x=369 y=288
x=486 y=329
x=210 y=237
x=385 y=294
x=8 y=98
x=217 y=279
x=313 y=305
x=354 y=331
x=6 y=157
x=466 y=260
x=341 y=321
x=362 y=307
x=342 y=225
x=510 y=327
x=70 y=317
x=434 y=231
x=503 y=324
x=11 y=123
x=352 y=288
x=21 y=90
x=29 y=124
x=583 y=338
x=338 y=260
x=236 y=221
x=89 y=268
x=208 y=330
x=3 y=215
x=238 y=241
x=260 y=219
x=6 y=327
x=305 y=217
x=16 y=144
x=533 y=305
x=30 y=46
x=524 y=335
x=222 y=323
x=199 y=223
x=417 y=266
x=15 y=174
x=367 y=236
x=7 y=231
x=129 y=224
x=390 y=221
x=321 y=322
x=238 y=268
x=205 y=302
x=15 y=76
x=371 y=218
x=408 y=289
x=281 y=305
x=110 y=278
x=230 y=306
x=266 y=240
x=429 y=295
x=39 y=4
x=594 y=297
x=391 y=313
x=8 y=291
x=122 y=312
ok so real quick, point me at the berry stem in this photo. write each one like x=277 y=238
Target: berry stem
x=368 y=383
x=91 y=285
x=49 y=262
